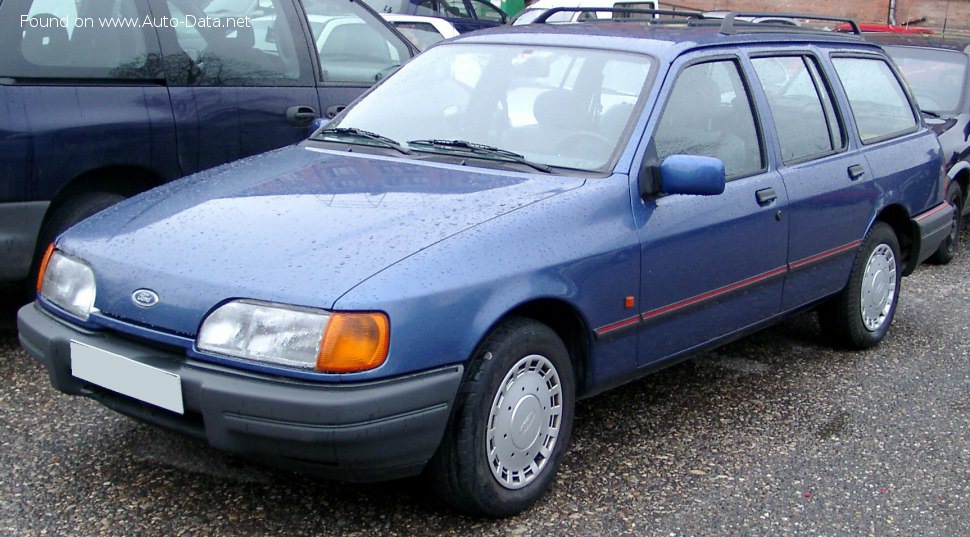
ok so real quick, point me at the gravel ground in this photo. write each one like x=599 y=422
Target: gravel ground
x=774 y=434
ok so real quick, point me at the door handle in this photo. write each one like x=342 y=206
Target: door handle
x=300 y=115
x=766 y=196
x=334 y=110
x=856 y=171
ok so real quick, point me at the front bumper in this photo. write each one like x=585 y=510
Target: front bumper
x=356 y=432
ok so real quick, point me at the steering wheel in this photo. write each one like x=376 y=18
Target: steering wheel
x=586 y=143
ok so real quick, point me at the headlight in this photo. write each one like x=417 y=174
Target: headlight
x=68 y=283
x=296 y=337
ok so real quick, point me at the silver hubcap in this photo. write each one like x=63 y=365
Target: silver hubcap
x=524 y=422
x=878 y=287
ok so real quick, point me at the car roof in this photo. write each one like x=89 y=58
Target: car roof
x=958 y=44
x=663 y=39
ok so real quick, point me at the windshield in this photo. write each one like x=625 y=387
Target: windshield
x=553 y=105
x=937 y=77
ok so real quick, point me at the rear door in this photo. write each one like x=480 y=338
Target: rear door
x=710 y=265
x=241 y=82
x=830 y=187
x=900 y=152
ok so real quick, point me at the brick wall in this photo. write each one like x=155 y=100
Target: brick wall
x=954 y=13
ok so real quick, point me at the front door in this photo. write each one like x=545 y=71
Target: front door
x=710 y=265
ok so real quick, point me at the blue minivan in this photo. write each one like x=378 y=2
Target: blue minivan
x=103 y=99
x=514 y=220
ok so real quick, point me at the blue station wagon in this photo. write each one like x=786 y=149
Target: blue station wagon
x=512 y=221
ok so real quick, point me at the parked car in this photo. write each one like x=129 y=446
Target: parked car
x=773 y=19
x=465 y=15
x=433 y=279
x=95 y=113
x=421 y=31
x=887 y=28
x=936 y=70
x=529 y=14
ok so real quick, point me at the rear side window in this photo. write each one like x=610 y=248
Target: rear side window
x=709 y=114
x=878 y=101
x=77 y=39
x=455 y=9
x=801 y=106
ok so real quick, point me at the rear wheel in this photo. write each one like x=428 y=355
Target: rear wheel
x=943 y=255
x=859 y=316
x=513 y=421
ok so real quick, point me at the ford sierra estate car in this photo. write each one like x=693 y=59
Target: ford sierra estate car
x=514 y=220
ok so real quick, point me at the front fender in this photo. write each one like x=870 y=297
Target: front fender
x=580 y=248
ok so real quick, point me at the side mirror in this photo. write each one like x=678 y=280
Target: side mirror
x=317 y=124
x=691 y=174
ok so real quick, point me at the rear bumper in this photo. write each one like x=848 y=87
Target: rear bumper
x=934 y=226
x=357 y=432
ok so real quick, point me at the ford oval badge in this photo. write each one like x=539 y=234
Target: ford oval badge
x=144 y=298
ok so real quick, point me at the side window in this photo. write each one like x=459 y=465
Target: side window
x=488 y=12
x=245 y=48
x=455 y=9
x=709 y=113
x=422 y=34
x=353 y=46
x=77 y=39
x=801 y=106
x=878 y=102
x=425 y=7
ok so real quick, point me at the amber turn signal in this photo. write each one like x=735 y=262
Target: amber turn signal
x=43 y=265
x=354 y=342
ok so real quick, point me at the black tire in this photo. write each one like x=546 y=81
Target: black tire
x=461 y=472
x=944 y=254
x=842 y=318
x=69 y=213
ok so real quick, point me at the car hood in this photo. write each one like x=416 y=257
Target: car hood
x=298 y=225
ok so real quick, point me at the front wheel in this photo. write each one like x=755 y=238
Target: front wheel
x=859 y=316
x=944 y=254
x=513 y=421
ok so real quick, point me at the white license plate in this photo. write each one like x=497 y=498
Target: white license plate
x=127 y=377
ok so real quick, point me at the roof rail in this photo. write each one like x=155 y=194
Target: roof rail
x=638 y=11
x=728 y=27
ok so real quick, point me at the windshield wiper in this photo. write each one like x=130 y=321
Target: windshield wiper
x=366 y=135
x=484 y=150
x=931 y=114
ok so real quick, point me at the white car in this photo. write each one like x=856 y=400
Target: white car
x=759 y=20
x=421 y=31
x=532 y=12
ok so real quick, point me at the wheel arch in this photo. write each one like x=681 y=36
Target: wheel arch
x=124 y=180
x=961 y=174
x=898 y=218
x=565 y=319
